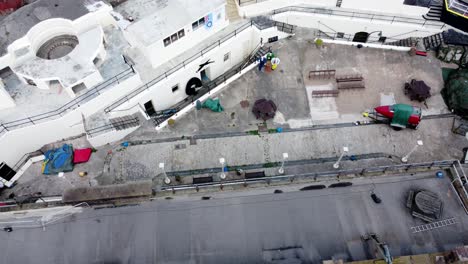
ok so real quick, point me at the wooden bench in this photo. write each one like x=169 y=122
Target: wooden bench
x=255 y=174
x=325 y=93
x=199 y=180
x=351 y=85
x=349 y=78
x=322 y=74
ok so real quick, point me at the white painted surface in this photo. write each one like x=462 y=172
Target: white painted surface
x=21 y=171
x=385 y=6
x=367 y=45
x=395 y=7
x=161 y=20
x=351 y=26
x=161 y=93
x=5 y=99
x=71 y=69
x=23 y=140
x=169 y=19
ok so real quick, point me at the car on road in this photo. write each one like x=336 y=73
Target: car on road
x=375 y=198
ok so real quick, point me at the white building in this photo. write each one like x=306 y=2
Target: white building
x=100 y=71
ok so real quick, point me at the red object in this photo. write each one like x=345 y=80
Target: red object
x=421 y=53
x=386 y=111
x=81 y=155
x=10 y=5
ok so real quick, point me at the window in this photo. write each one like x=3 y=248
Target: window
x=226 y=56
x=167 y=41
x=340 y=34
x=175 y=88
x=382 y=39
x=273 y=39
x=201 y=22
x=195 y=25
x=174 y=37
x=181 y=33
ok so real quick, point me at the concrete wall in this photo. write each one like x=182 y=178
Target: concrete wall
x=5 y=99
x=385 y=6
x=238 y=47
x=15 y=143
x=353 y=25
x=382 y=6
x=160 y=54
x=111 y=136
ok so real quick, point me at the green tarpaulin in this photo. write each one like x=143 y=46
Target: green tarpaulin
x=213 y=104
x=455 y=92
x=401 y=115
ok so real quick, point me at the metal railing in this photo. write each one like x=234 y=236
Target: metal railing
x=349 y=37
x=444 y=164
x=163 y=115
x=248 y=2
x=129 y=122
x=73 y=104
x=281 y=26
x=360 y=15
x=462 y=181
x=21 y=162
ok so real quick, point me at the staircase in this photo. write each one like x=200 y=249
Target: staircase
x=231 y=11
x=263 y=22
x=434 y=41
x=125 y=122
x=427 y=43
x=99 y=123
x=435 y=11
x=160 y=116
x=407 y=42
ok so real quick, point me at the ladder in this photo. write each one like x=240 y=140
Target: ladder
x=433 y=225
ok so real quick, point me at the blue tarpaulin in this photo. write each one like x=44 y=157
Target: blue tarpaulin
x=58 y=160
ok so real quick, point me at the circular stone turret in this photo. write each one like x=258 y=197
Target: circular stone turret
x=57 y=47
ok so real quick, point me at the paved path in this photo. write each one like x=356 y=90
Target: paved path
x=306 y=226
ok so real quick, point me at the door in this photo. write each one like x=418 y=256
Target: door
x=204 y=75
x=361 y=37
x=149 y=108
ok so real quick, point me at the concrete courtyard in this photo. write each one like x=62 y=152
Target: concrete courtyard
x=226 y=134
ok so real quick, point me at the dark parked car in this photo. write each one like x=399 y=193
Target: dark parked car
x=375 y=198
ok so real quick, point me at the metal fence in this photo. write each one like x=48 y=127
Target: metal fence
x=361 y=15
x=349 y=37
x=73 y=104
x=314 y=175
x=281 y=26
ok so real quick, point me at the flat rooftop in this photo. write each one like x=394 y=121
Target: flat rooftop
x=31 y=101
x=18 y=23
x=164 y=17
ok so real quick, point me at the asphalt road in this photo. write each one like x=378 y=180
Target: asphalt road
x=294 y=227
